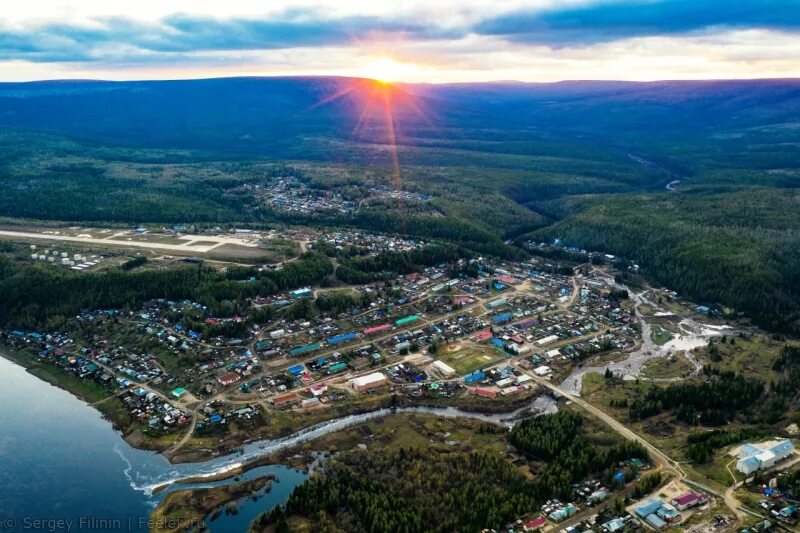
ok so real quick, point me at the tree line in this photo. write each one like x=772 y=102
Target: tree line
x=35 y=296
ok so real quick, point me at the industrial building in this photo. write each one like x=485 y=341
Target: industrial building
x=369 y=382
x=753 y=457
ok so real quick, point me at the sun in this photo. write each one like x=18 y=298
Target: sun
x=386 y=70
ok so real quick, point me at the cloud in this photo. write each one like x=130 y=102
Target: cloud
x=185 y=33
x=543 y=27
x=591 y=23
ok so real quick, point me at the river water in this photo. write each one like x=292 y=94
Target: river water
x=65 y=467
x=61 y=463
x=692 y=335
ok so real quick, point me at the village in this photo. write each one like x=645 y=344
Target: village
x=291 y=194
x=492 y=341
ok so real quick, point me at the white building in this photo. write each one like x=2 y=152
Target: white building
x=547 y=340
x=445 y=369
x=753 y=457
x=368 y=382
x=542 y=370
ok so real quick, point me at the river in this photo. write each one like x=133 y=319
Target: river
x=62 y=464
x=692 y=335
x=60 y=460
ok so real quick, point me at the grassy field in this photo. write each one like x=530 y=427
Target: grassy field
x=416 y=431
x=714 y=473
x=667 y=367
x=661 y=335
x=751 y=356
x=468 y=360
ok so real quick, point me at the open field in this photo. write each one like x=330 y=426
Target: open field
x=661 y=335
x=670 y=367
x=469 y=359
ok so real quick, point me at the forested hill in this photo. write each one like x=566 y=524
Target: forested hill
x=629 y=108
x=259 y=115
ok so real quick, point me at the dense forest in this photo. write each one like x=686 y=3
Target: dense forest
x=703 y=444
x=34 y=296
x=716 y=401
x=382 y=491
x=570 y=455
x=383 y=266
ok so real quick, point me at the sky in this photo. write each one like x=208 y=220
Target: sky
x=412 y=41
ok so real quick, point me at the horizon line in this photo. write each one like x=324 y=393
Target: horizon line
x=363 y=78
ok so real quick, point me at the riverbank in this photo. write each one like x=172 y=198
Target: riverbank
x=424 y=432
x=285 y=429
x=189 y=509
x=283 y=424
x=64 y=439
x=96 y=396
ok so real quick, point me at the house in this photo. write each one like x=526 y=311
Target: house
x=285 y=399
x=563 y=513
x=410 y=319
x=461 y=300
x=502 y=318
x=687 y=500
x=377 y=329
x=475 y=377
x=613 y=525
x=483 y=335
x=345 y=337
x=179 y=393
x=310 y=402
x=228 y=379
x=485 y=393
x=301 y=293
x=648 y=508
x=547 y=340
x=668 y=513
x=534 y=523
x=494 y=304
x=318 y=389
x=597 y=496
